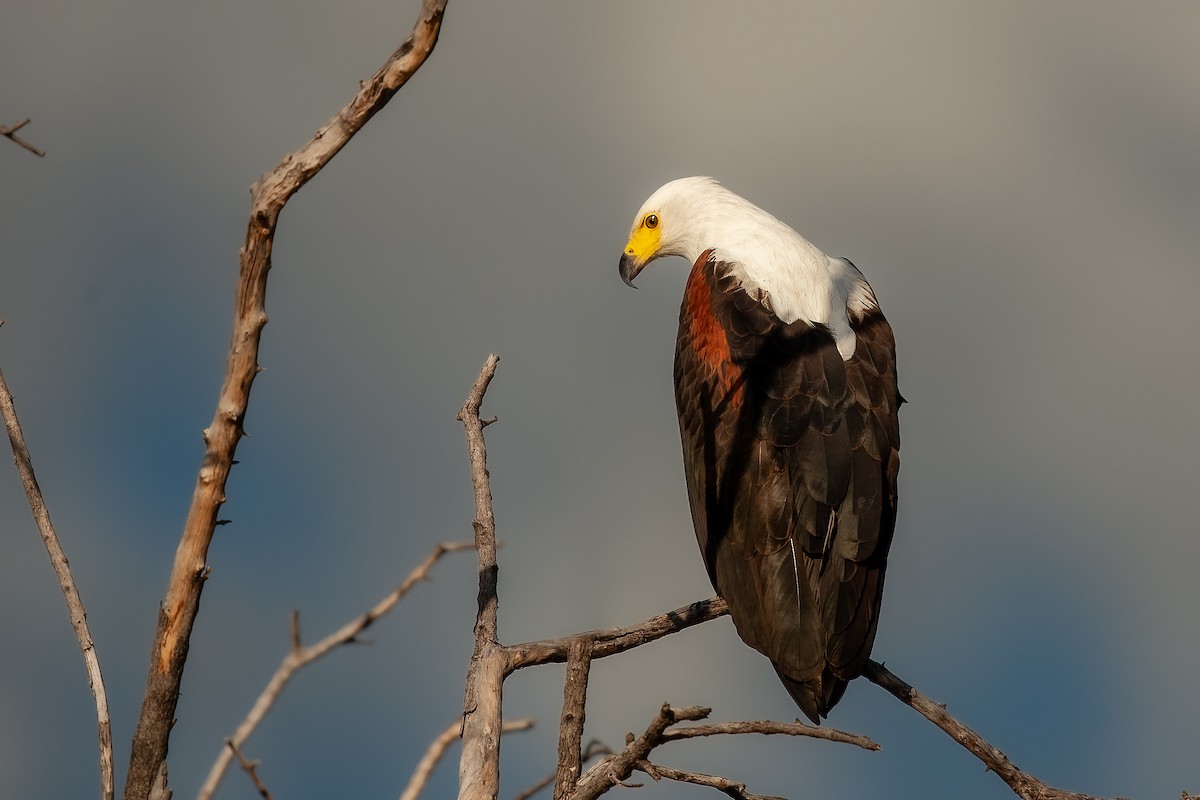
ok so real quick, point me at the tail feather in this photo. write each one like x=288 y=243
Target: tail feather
x=815 y=697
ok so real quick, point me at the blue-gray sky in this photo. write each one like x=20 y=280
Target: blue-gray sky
x=1019 y=181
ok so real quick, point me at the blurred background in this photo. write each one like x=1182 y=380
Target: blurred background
x=1020 y=182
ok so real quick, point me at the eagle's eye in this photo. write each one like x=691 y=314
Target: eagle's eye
x=651 y=221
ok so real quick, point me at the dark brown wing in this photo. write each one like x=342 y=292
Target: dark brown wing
x=791 y=456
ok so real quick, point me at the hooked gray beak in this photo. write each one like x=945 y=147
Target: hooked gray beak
x=630 y=269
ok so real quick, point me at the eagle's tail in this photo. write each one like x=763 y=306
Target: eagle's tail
x=816 y=696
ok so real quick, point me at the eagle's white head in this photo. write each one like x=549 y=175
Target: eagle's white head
x=795 y=279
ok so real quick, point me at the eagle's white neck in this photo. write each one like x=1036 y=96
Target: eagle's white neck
x=796 y=279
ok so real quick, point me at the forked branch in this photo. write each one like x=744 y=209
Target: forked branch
x=251 y=770
x=616 y=768
x=269 y=196
x=11 y=132
x=299 y=657
x=491 y=662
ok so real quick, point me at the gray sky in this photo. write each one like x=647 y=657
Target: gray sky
x=1019 y=181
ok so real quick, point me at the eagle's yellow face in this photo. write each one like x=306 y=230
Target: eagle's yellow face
x=645 y=239
x=643 y=246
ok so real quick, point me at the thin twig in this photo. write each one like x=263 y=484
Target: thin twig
x=433 y=754
x=437 y=749
x=251 y=768
x=58 y=560
x=1022 y=783
x=11 y=130
x=770 y=727
x=479 y=764
x=270 y=194
x=299 y=656
x=617 y=640
x=731 y=788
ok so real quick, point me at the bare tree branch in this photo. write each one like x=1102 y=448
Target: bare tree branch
x=251 y=768
x=424 y=769
x=615 y=769
x=618 y=767
x=11 y=130
x=1023 y=784
x=479 y=765
x=485 y=518
x=437 y=749
x=617 y=640
x=300 y=657
x=66 y=581
x=770 y=727
x=491 y=662
x=732 y=788
x=574 y=713
x=269 y=196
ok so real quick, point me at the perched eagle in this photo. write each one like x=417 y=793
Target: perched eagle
x=785 y=383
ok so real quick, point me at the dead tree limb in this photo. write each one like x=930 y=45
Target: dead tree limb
x=270 y=194
x=491 y=662
x=617 y=640
x=300 y=657
x=727 y=787
x=479 y=765
x=11 y=130
x=1022 y=783
x=615 y=769
x=66 y=581
x=770 y=727
x=574 y=713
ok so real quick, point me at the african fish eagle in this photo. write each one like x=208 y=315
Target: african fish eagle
x=785 y=384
